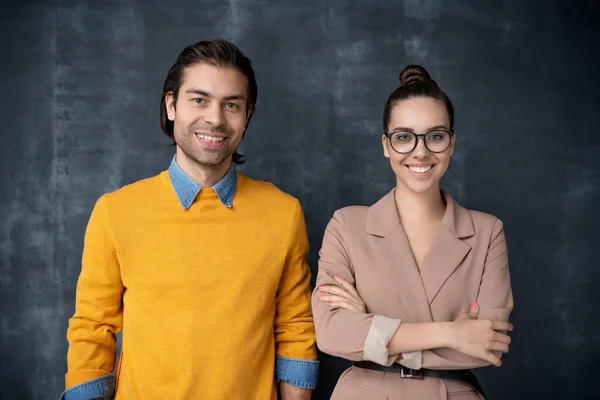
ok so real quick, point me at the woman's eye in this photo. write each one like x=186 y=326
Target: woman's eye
x=403 y=137
x=437 y=136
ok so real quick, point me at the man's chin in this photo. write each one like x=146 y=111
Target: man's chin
x=212 y=161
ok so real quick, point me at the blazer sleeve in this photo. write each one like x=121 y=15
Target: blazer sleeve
x=340 y=332
x=495 y=301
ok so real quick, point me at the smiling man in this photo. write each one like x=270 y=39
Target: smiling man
x=202 y=268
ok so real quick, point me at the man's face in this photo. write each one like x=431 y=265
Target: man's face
x=210 y=114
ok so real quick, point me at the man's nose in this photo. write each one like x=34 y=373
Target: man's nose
x=214 y=114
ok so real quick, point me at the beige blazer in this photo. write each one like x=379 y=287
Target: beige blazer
x=368 y=246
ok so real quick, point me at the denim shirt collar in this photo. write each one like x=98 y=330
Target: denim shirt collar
x=187 y=190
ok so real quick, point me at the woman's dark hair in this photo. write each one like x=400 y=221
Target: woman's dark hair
x=219 y=53
x=416 y=82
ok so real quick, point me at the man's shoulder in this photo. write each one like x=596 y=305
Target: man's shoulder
x=138 y=189
x=265 y=191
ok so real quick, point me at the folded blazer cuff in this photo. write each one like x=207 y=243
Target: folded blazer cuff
x=380 y=333
x=412 y=359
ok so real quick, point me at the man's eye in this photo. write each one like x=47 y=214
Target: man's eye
x=198 y=100
x=231 y=106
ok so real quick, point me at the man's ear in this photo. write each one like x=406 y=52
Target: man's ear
x=170 y=105
x=249 y=113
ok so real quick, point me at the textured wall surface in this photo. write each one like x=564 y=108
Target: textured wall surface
x=80 y=84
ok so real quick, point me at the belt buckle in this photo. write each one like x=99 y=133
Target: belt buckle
x=409 y=373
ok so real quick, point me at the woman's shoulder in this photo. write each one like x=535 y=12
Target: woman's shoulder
x=467 y=217
x=351 y=212
x=484 y=217
x=484 y=221
x=349 y=218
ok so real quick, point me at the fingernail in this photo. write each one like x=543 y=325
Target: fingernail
x=474 y=306
x=320 y=287
x=336 y=277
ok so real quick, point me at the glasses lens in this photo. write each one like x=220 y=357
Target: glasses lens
x=403 y=142
x=437 y=141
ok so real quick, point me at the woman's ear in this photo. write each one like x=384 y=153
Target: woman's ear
x=384 y=143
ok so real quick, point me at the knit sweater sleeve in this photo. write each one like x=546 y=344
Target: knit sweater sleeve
x=98 y=305
x=294 y=328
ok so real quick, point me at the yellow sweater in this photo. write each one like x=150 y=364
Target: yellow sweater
x=206 y=297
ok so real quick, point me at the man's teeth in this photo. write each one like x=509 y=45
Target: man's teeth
x=420 y=169
x=212 y=139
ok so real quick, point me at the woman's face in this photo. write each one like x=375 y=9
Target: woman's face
x=420 y=170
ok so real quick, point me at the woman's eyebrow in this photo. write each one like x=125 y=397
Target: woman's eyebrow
x=433 y=128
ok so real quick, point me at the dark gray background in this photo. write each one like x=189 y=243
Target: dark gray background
x=80 y=84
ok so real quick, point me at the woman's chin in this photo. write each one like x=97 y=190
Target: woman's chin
x=420 y=186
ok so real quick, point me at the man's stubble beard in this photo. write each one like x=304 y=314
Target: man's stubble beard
x=204 y=156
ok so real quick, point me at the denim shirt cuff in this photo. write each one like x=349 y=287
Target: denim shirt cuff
x=299 y=373
x=103 y=387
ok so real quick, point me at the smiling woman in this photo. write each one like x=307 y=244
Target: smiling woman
x=418 y=105
x=415 y=286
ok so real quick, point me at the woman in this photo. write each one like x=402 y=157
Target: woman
x=397 y=280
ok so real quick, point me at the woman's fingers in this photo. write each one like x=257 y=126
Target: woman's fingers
x=348 y=287
x=502 y=326
x=502 y=338
x=333 y=298
x=492 y=359
x=340 y=292
x=346 y=304
x=499 y=346
x=472 y=314
x=474 y=311
x=342 y=296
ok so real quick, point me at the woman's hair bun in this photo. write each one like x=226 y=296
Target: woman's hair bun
x=413 y=74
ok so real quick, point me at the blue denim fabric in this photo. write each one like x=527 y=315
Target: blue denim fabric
x=187 y=190
x=299 y=373
x=103 y=388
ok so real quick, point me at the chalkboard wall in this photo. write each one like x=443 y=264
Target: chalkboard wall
x=80 y=84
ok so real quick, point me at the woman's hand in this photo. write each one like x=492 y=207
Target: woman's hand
x=472 y=314
x=478 y=338
x=345 y=297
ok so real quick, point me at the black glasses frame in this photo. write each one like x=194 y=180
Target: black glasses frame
x=423 y=135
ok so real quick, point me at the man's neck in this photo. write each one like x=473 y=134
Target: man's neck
x=205 y=176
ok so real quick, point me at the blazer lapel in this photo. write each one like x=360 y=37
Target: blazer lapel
x=395 y=256
x=447 y=250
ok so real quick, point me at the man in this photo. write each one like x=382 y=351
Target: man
x=203 y=268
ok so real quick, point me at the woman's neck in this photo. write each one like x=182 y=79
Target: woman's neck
x=419 y=207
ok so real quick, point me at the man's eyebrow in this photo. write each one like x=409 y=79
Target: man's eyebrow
x=237 y=96
x=200 y=92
